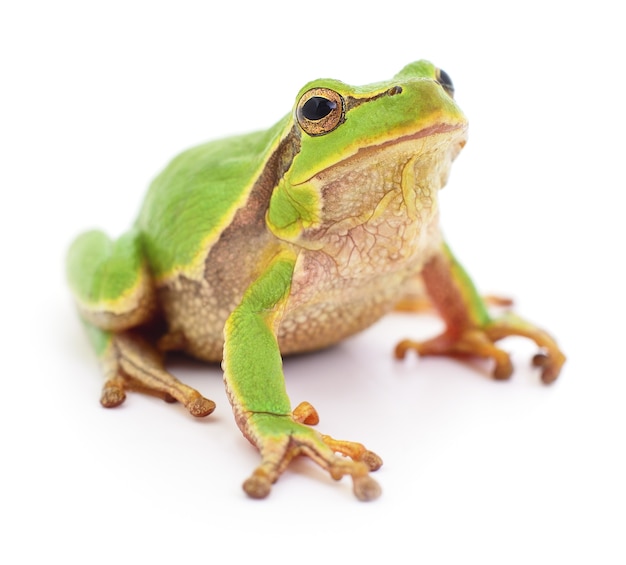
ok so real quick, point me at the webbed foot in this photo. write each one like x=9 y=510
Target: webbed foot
x=480 y=342
x=130 y=363
x=281 y=438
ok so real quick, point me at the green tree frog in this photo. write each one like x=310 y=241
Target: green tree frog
x=289 y=240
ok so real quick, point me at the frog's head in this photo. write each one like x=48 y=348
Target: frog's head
x=365 y=155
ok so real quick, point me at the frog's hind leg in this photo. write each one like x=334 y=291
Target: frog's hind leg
x=130 y=362
x=470 y=329
x=116 y=300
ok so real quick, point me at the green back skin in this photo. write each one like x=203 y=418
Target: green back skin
x=89 y=274
x=255 y=190
x=196 y=197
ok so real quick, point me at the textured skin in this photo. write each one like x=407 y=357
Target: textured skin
x=290 y=240
x=359 y=272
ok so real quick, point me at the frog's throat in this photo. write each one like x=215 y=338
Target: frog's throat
x=396 y=183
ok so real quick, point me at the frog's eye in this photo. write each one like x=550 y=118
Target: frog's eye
x=443 y=78
x=320 y=111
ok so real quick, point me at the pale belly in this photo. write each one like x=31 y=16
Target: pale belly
x=323 y=308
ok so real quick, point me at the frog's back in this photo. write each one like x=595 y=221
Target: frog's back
x=192 y=201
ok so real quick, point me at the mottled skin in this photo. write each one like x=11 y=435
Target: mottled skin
x=290 y=240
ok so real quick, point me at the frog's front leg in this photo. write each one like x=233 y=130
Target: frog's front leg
x=116 y=301
x=255 y=385
x=470 y=330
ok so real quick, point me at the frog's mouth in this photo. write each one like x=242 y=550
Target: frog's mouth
x=454 y=136
x=437 y=131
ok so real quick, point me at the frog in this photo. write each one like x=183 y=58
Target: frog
x=286 y=241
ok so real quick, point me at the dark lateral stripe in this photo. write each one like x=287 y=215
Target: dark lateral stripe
x=352 y=102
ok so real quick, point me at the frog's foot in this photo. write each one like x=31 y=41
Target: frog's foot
x=281 y=438
x=480 y=342
x=130 y=363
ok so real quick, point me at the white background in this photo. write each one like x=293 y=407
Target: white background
x=96 y=97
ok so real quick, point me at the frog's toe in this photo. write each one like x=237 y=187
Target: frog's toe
x=472 y=342
x=258 y=485
x=355 y=451
x=201 y=406
x=281 y=438
x=372 y=460
x=366 y=488
x=550 y=358
x=480 y=342
x=112 y=394
x=305 y=413
x=550 y=368
x=469 y=342
x=503 y=369
x=134 y=364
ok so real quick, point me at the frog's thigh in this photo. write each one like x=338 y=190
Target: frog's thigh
x=110 y=280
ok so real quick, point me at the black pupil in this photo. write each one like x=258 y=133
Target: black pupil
x=317 y=107
x=445 y=80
